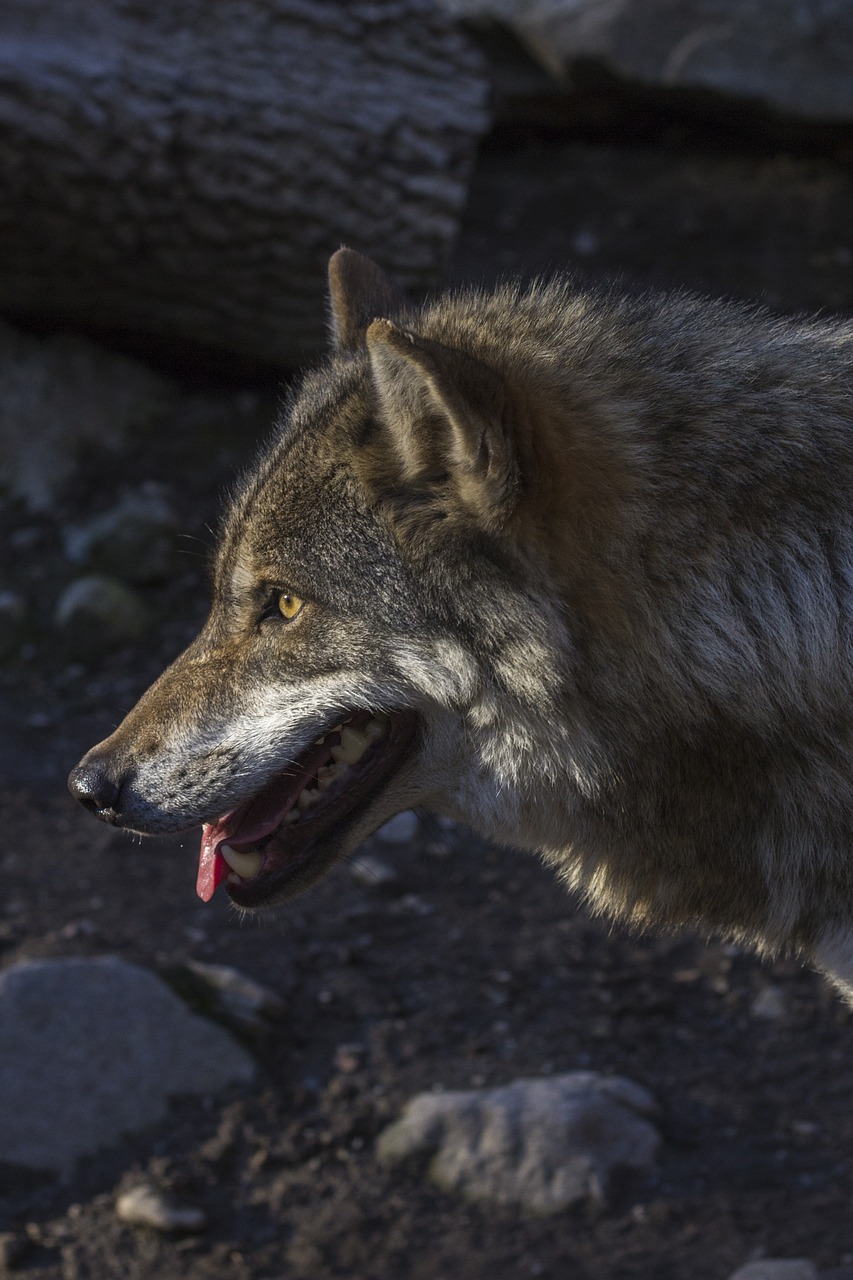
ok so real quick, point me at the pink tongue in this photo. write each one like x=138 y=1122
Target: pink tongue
x=245 y=826
x=212 y=867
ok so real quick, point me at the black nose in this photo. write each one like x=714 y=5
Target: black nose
x=93 y=785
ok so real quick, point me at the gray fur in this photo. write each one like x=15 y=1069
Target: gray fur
x=604 y=546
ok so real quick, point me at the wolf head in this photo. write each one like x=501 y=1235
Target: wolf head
x=380 y=637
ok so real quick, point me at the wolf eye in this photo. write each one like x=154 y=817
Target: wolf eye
x=289 y=605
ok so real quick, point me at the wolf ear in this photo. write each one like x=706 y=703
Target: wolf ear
x=447 y=415
x=359 y=291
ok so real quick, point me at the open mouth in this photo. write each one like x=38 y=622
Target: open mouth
x=275 y=843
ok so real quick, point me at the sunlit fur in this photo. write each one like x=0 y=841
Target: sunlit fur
x=604 y=545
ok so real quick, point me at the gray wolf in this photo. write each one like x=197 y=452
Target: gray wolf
x=573 y=568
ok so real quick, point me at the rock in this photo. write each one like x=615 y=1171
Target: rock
x=92 y=1049
x=145 y=1206
x=400 y=829
x=350 y=1056
x=769 y=1004
x=373 y=872
x=543 y=1144
x=222 y=991
x=97 y=613
x=785 y=55
x=132 y=540
x=777 y=1269
x=59 y=395
x=13 y=622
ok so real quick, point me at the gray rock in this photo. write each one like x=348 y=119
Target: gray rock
x=769 y=1004
x=146 y=1206
x=132 y=540
x=97 y=613
x=60 y=394
x=785 y=54
x=543 y=1144
x=400 y=829
x=91 y=1049
x=777 y=1269
x=235 y=995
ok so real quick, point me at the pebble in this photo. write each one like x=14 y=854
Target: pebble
x=236 y=995
x=769 y=1004
x=777 y=1269
x=400 y=829
x=145 y=1206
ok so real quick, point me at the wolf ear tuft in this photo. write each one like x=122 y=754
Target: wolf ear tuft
x=446 y=414
x=359 y=291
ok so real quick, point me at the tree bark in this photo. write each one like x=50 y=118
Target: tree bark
x=185 y=169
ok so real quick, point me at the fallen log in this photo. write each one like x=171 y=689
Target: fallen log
x=185 y=170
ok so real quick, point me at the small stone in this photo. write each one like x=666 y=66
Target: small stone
x=543 y=1144
x=777 y=1269
x=401 y=829
x=97 y=613
x=133 y=540
x=145 y=1206
x=769 y=1004
x=374 y=872
x=236 y=995
x=349 y=1057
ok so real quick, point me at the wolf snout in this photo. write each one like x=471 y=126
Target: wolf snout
x=97 y=784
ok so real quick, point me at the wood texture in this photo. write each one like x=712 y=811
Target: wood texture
x=186 y=169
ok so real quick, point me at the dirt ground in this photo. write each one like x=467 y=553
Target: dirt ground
x=473 y=967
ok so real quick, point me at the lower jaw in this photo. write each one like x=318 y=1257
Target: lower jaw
x=303 y=855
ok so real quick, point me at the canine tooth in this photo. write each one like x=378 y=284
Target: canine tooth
x=246 y=865
x=354 y=743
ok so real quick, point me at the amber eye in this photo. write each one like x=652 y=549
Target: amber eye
x=289 y=605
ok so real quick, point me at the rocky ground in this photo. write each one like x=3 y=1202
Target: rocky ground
x=434 y=963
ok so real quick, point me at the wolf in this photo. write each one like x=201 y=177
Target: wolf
x=570 y=566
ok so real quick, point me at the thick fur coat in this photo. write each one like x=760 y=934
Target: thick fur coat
x=600 y=548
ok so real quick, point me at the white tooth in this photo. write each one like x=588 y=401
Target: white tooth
x=354 y=743
x=306 y=798
x=246 y=865
x=376 y=729
x=327 y=774
x=318 y=742
x=292 y=815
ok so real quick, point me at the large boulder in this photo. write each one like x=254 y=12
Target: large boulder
x=92 y=1049
x=788 y=56
x=542 y=1144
